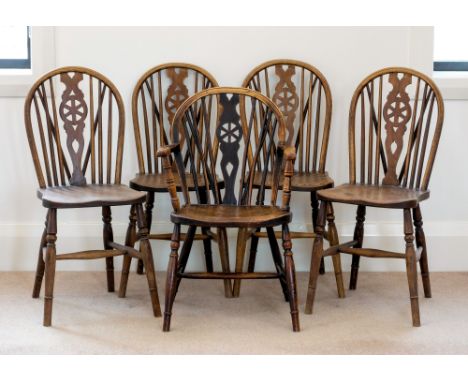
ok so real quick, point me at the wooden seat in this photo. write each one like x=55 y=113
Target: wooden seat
x=395 y=122
x=301 y=181
x=374 y=196
x=231 y=216
x=75 y=124
x=157 y=182
x=93 y=195
x=221 y=146
x=156 y=96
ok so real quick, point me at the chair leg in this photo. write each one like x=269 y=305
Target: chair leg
x=315 y=209
x=207 y=251
x=421 y=242
x=50 y=261
x=130 y=239
x=108 y=236
x=317 y=254
x=40 y=264
x=253 y=251
x=149 y=219
x=358 y=236
x=290 y=278
x=334 y=240
x=411 y=267
x=224 y=255
x=185 y=252
x=275 y=251
x=171 y=278
x=242 y=238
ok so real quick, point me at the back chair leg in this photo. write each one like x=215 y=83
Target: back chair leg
x=224 y=255
x=421 y=243
x=50 y=261
x=40 y=264
x=314 y=203
x=149 y=219
x=171 y=277
x=130 y=239
x=207 y=251
x=253 y=251
x=185 y=252
x=291 y=278
x=148 y=262
x=108 y=237
x=317 y=254
x=359 y=237
x=411 y=267
x=334 y=240
x=240 y=255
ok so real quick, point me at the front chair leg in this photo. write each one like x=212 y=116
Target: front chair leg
x=359 y=237
x=108 y=237
x=275 y=251
x=224 y=255
x=334 y=240
x=290 y=278
x=171 y=277
x=147 y=257
x=149 y=219
x=40 y=263
x=130 y=239
x=253 y=251
x=411 y=267
x=315 y=210
x=317 y=254
x=240 y=255
x=421 y=243
x=50 y=261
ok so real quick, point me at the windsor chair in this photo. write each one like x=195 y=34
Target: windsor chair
x=303 y=95
x=389 y=167
x=156 y=97
x=221 y=137
x=74 y=121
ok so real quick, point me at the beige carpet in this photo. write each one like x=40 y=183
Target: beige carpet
x=374 y=319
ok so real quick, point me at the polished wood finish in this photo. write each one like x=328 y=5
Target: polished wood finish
x=395 y=122
x=237 y=134
x=74 y=121
x=303 y=95
x=156 y=97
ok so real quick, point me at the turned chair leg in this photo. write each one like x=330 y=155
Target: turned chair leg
x=147 y=257
x=275 y=251
x=130 y=239
x=334 y=240
x=40 y=264
x=224 y=255
x=242 y=238
x=421 y=243
x=314 y=203
x=149 y=219
x=108 y=237
x=50 y=261
x=207 y=251
x=171 y=278
x=359 y=237
x=253 y=251
x=411 y=267
x=290 y=278
x=317 y=254
x=185 y=252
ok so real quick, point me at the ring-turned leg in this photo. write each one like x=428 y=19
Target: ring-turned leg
x=290 y=278
x=130 y=239
x=171 y=277
x=275 y=251
x=411 y=267
x=359 y=237
x=240 y=255
x=40 y=264
x=317 y=254
x=50 y=261
x=149 y=219
x=108 y=237
x=314 y=203
x=334 y=240
x=421 y=243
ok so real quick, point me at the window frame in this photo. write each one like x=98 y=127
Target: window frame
x=450 y=66
x=19 y=63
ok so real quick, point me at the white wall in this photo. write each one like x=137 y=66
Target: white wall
x=344 y=54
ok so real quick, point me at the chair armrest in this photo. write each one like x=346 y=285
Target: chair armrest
x=289 y=155
x=164 y=152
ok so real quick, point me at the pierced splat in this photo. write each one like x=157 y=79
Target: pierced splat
x=396 y=113
x=73 y=111
x=229 y=133
x=286 y=97
x=177 y=92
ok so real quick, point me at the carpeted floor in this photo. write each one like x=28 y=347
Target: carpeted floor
x=374 y=319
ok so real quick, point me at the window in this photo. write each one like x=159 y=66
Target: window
x=15 y=47
x=450 y=48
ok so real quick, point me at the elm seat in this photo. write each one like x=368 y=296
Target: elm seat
x=230 y=215
x=157 y=182
x=301 y=181
x=375 y=196
x=93 y=195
